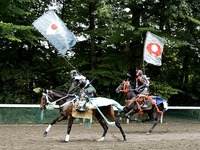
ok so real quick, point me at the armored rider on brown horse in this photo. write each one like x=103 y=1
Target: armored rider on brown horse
x=87 y=90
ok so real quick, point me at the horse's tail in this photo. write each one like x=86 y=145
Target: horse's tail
x=164 y=106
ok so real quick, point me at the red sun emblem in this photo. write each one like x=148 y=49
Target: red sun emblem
x=154 y=48
x=54 y=26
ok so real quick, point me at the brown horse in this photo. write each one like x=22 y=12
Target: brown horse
x=66 y=104
x=134 y=104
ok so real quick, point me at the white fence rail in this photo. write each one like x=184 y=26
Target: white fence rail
x=180 y=107
x=184 y=107
x=37 y=106
x=20 y=105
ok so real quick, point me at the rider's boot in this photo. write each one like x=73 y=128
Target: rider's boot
x=81 y=108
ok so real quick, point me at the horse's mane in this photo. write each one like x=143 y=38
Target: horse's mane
x=59 y=92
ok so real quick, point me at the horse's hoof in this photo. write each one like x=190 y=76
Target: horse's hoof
x=67 y=138
x=148 y=133
x=45 y=134
x=101 y=139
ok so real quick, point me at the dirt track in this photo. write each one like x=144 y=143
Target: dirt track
x=167 y=136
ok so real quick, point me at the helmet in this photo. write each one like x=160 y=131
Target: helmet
x=73 y=73
x=139 y=72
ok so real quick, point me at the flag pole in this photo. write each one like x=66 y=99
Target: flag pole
x=143 y=66
x=143 y=63
x=71 y=65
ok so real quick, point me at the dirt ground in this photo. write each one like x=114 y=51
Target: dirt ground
x=166 y=136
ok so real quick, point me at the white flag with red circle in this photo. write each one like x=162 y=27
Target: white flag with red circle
x=153 y=49
x=55 y=31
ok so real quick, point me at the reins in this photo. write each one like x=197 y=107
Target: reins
x=52 y=104
x=69 y=102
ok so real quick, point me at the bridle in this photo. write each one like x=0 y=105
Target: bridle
x=47 y=97
x=52 y=104
x=126 y=86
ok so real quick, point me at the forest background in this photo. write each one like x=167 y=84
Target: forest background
x=111 y=35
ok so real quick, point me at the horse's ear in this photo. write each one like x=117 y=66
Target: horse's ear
x=127 y=79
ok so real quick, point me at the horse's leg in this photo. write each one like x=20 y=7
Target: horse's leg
x=109 y=113
x=105 y=129
x=111 y=116
x=127 y=115
x=155 y=122
x=60 y=118
x=104 y=126
x=69 y=127
x=149 y=117
x=120 y=128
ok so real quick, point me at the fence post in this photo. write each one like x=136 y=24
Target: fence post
x=161 y=118
x=42 y=115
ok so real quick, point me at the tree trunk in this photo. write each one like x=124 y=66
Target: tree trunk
x=92 y=27
x=185 y=72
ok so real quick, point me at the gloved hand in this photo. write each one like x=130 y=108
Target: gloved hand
x=136 y=91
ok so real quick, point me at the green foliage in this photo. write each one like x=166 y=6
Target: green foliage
x=162 y=90
x=193 y=20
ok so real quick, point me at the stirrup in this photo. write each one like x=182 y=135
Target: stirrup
x=80 y=109
x=144 y=106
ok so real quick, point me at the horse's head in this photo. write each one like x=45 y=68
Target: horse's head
x=53 y=97
x=124 y=87
x=44 y=101
x=48 y=97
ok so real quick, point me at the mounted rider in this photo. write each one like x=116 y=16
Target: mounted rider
x=142 y=86
x=87 y=90
x=142 y=83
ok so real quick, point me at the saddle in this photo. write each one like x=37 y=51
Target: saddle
x=145 y=102
x=84 y=105
x=86 y=114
